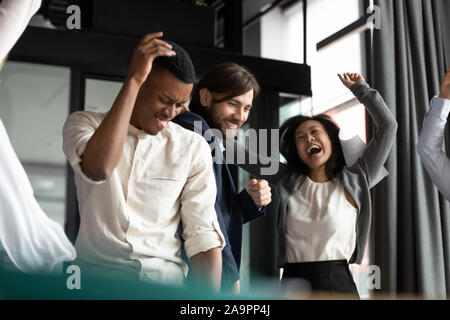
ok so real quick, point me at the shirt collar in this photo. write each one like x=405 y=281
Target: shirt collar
x=141 y=134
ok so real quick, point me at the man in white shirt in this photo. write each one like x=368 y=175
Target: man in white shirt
x=33 y=242
x=137 y=174
x=432 y=137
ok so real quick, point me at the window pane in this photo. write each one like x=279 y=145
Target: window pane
x=100 y=94
x=326 y=17
x=352 y=121
x=34 y=104
x=293 y=105
x=282 y=39
x=282 y=34
x=342 y=56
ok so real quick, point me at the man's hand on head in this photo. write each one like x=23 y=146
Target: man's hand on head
x=148 y=49
x=259 y=191
x=445 y=86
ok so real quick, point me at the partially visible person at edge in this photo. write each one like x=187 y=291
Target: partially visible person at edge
x=33 y=242
x=431 y=139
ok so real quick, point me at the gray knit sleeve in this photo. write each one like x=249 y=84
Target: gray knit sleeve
x=381 y=143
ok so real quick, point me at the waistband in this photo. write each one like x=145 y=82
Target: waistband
x=315 y=267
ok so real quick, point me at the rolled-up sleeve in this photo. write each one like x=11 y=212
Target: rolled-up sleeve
x=78 y=130
x=201 y=230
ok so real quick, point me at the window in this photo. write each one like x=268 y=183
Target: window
x=282 y=34
x=100 y=94
x=34 y=104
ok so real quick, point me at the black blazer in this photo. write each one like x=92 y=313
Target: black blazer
x=233 y=209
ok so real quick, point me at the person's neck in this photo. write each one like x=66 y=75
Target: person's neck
x=134 y=122
x=318 y=175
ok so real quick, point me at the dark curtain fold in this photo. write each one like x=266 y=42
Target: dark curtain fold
x=411 y=230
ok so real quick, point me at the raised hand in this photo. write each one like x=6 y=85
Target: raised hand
x=259 y=191
x=349 y=79
x=145 y=53
x=445 y=86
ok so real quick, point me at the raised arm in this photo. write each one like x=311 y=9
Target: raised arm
x=380 y=145
x=431 y=139
x=104 y=149
x=14 y=18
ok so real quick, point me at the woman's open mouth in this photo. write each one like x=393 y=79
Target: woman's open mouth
x=314 y=150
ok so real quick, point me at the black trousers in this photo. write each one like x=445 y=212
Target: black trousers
x=323 y=276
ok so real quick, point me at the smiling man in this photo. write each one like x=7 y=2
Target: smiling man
x=222 y=100
x=137 y=174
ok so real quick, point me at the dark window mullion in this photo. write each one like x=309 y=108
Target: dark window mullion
x=359 y=25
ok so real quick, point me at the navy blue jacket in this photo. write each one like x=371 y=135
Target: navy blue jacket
x=233 y=209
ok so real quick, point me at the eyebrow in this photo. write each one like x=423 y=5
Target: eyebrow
x=166 y=95
x=240 y=103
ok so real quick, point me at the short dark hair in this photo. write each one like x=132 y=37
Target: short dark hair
x=288 y=148
x=226 y=78
x=180 y=65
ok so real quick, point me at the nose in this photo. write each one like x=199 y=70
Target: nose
x=170 y=112
x=239 y=115
x=310 y=138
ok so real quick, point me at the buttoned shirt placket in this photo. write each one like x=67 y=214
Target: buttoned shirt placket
x=142 y=143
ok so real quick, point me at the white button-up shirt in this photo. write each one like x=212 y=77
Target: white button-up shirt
x=430 y=146
x=129 y=222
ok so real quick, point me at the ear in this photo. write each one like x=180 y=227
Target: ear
x=205 y=97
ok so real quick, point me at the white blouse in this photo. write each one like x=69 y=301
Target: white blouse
x=321 y=223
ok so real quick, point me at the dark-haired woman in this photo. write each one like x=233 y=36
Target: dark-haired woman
x=325 y=208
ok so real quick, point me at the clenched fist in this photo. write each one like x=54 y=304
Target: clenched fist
x=445 y=86
x=259 y=191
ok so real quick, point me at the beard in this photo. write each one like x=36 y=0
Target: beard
x=216 y=122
